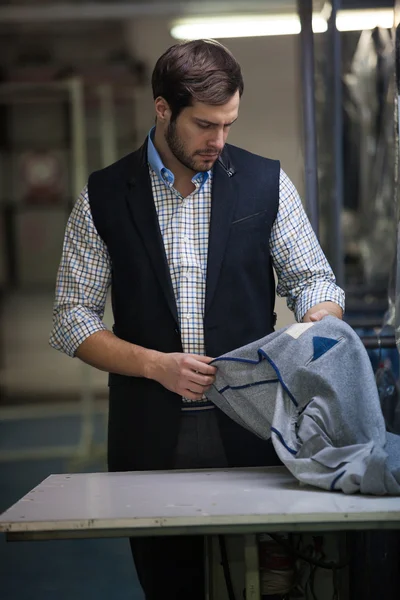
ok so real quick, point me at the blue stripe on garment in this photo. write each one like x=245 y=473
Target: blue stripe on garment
x=261 y=355
x=247 y=385
x=334 y=482
x=233 y=359
x=278 y=433
x=273 y=365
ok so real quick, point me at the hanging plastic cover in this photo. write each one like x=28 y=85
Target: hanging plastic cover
x=394 y=290
x=371 y=100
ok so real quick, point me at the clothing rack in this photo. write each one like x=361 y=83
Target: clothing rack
x=379 y=549
x=378 y=342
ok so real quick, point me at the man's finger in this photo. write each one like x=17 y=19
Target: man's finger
x=204 y=359
x=202 y=368
x=204 y=380
x=193 y=395
x=319 y=315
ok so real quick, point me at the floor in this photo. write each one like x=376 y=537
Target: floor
x=83 y=569
x=79 y=569
x=39 y=422
x=42 y=431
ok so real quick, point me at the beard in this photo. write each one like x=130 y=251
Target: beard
x=198 y=164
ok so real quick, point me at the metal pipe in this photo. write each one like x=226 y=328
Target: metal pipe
x=309 y=124
x=78 y=135
x=108 y=136
x=335 y=230
x=80 y=174
x=376 y=343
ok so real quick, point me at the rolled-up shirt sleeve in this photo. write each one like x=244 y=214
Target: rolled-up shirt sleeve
x=83 y=280
x=304 y=274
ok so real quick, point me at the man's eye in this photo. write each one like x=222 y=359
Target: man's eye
x=203 y=125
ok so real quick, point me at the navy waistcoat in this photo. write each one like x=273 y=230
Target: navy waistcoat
x=240 y=292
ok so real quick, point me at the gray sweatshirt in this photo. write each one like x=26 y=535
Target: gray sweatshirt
x=312 y=388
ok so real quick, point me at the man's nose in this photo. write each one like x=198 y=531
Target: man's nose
x=217 y=141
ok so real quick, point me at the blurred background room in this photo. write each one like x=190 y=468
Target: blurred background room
x=74 y=97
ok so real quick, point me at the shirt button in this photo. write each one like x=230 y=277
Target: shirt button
x=187 y=317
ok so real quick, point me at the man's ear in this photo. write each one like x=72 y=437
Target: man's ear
x=163 y=111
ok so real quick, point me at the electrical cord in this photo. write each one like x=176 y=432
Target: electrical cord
x=316 y=563
x=332 y=565
x=335 y=585
x=312 y=583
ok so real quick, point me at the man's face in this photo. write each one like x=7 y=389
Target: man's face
x=198 y=135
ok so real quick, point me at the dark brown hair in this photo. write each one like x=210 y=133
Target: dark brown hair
x=200 y=70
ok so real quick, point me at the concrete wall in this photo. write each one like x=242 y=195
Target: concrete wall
x=269 y=124
x=270 y=115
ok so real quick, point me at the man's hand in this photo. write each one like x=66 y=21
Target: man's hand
x=318 y=315
x=188 y=375
x=319 y=311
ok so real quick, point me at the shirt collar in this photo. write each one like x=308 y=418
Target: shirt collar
x=155 y=162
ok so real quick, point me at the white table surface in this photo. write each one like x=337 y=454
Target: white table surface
x=184 y=502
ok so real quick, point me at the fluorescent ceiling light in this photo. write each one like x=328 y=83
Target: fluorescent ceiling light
x=241 y=26
x=264 y=25
x=359 y=20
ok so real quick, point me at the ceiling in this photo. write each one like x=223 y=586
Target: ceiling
x=13 y=11
x=44 y=11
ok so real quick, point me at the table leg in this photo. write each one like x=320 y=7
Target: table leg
x=252 y=568
x=209 y=567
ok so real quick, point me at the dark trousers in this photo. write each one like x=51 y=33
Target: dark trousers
x=173 y=567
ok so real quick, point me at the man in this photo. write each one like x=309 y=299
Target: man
x=186 y=231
